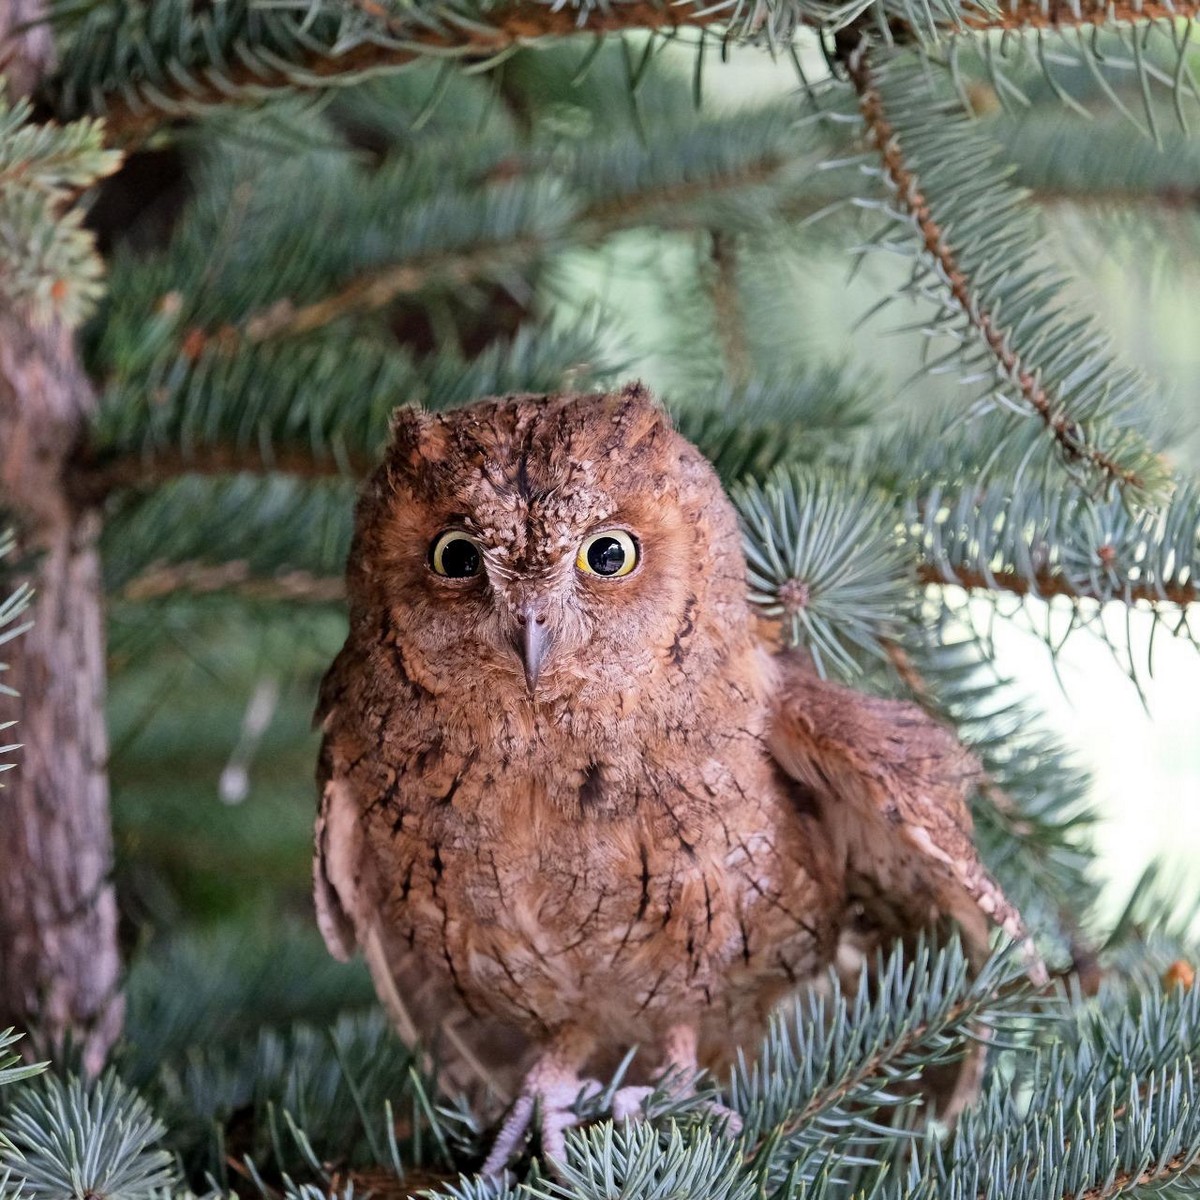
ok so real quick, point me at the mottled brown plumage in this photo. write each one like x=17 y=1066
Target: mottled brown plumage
x=669 y=830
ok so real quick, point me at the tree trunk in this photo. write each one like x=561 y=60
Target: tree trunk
x=59 y=964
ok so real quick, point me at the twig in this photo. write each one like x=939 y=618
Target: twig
x=1048 y=584
x=1056 y=14
x=205 y=579
x=1124 y=1181
x=91 y=481
x=378 y=288
x=727 y=309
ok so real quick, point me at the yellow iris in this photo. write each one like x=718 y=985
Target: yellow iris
x=610 y=554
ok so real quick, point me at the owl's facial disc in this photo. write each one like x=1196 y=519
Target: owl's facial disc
x=571 y=552
x=532 y=609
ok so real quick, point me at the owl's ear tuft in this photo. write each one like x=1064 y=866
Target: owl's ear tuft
x=638 y=415
x=414 y=435
x=407 y=423
x=635 y=396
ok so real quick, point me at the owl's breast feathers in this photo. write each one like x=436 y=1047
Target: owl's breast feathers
x=544 y=872
x=533 y=873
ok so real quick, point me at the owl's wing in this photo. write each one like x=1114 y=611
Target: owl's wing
x=892 y=786
x=344 y=894
x=472 y=1055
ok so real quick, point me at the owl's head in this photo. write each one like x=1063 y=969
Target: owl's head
x=531 y=549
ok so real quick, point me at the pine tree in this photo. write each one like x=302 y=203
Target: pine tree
x=235 y=233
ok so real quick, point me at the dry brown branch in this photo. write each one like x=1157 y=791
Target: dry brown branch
x=90 y=482
x=1048 y=584
x=379 y=288
x=205 y=579
x=727 y=309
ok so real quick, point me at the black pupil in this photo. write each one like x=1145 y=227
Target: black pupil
x=606 y=556
x=460 y=558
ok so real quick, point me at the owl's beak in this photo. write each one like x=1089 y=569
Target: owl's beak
x=533 y=642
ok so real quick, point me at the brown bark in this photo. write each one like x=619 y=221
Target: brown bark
x=26 y=45
x=59 y=964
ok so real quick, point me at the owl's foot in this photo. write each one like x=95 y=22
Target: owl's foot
x=554 y=1091
x=555 y=1102
x=629 y=1103
x=726 y=1120
x=636 y=1103
x=678 y=1086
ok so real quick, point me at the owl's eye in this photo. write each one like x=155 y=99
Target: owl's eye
x=455 y=555
x=612 y=553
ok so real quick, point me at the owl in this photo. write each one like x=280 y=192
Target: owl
x=572 y=799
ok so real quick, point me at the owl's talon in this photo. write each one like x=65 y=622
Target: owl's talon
x=515 y=1126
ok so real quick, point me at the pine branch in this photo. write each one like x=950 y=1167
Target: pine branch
x=634 y=1161
x=48 y=262
x=12 y=1070
x=1015 y=537
x=199 y=579
x=377 y=289
x=457 y=233
x=823 y=557
x=1013 y=15
x=1127 y=66
x=70 y=1139
x=92 y=482
x=177 y=60
x=835 y=1070
x=241 y=55
x=727 y=310
x=969 y=230
x=270 y=528
x=1066 y=158
x=791 y=418
x=309 y=408
x=660 y=207
x=1088 y=1127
